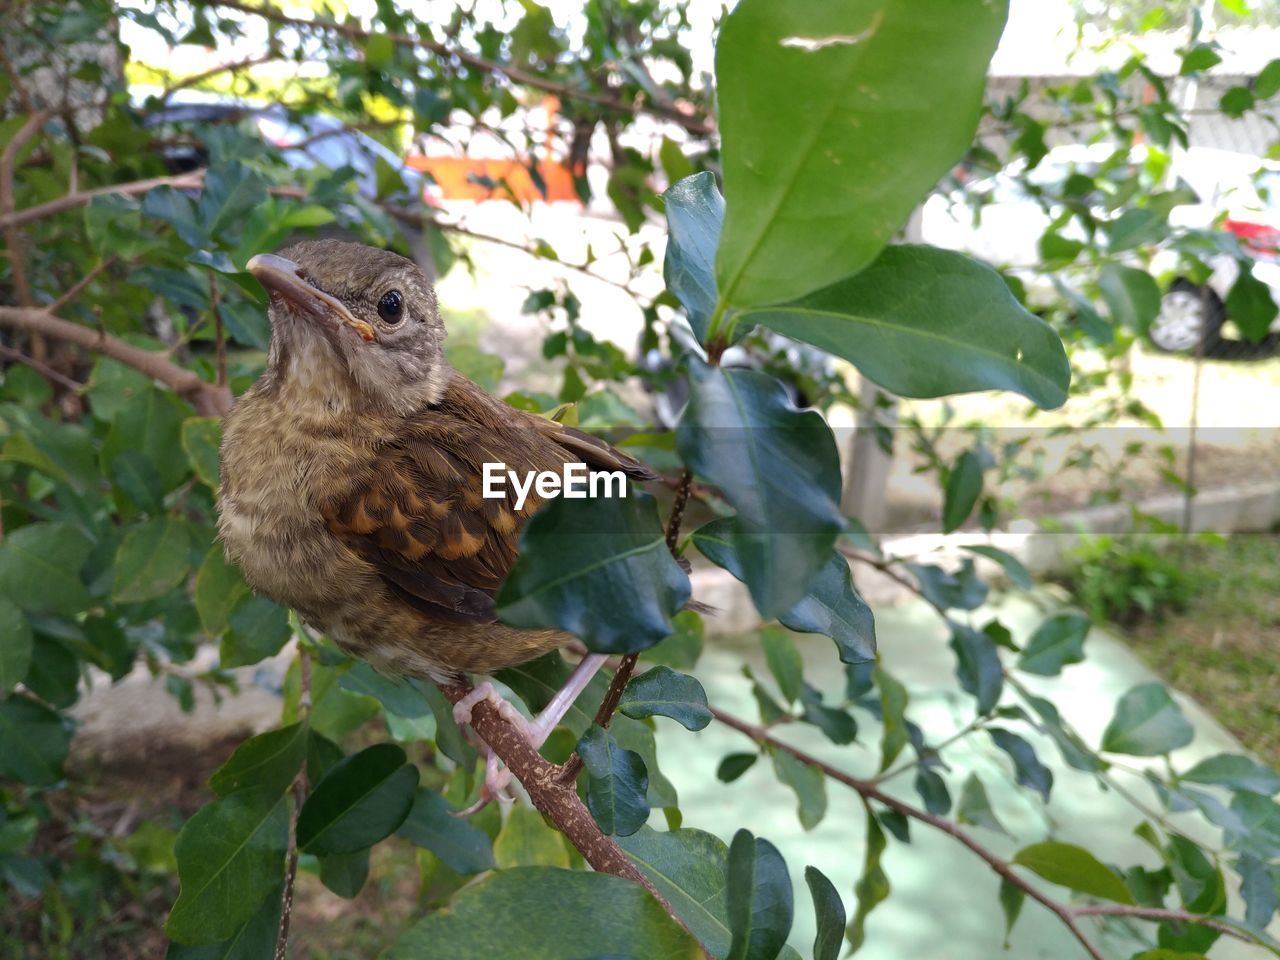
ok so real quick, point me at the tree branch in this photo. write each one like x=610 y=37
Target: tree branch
x=686 y=120
x=16 y=218
x=208 y=399
x=299 y=797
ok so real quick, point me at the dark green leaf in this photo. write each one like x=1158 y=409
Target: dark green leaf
x=661 y=692
x=153 y=558
x=201 y=437
x=785 y=662
x=362 y=799
x=1147 y=723
x=137 y=479
x=1058 y=641
x=978 y=665
x=695 y=213
x=1075 y=868
x=270 y=760
x=150 y=424
x=777 y=466
x=1250 y=305
x=219 y=590
x=838 y=726
x=1200 y=882
x=1132 y=297
x=1260 y=817
x=544 y=908
x=961 y=590
x=1235 y=772
x=758 y=898
x=257 y=629
x=40 y=567
x=345 y=873
x=933 y=791
x=460 y=845
x=803 y=87
x=964 y=486
x=1011 y=900
x=230 y=857
x=598 y=568
x=1074 y=752
x=829 y=915
x=15 y=647
x=1027 y=768
x=255 y=940
x=872 y=887
x=924 y=322
x=617 y=783
x=1259 y=889
x=735 y=765
x=833 y=608
x=33 y=742
x=397 y=694
x=975 y=806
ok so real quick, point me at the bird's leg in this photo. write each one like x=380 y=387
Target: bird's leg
x=497 y=778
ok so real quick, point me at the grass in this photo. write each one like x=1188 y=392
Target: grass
x=1224 y=648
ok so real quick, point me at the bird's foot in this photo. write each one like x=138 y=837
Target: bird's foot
x=506 y=710
x=497 y=778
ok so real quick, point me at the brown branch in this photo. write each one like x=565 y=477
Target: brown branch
x=1158 y=914
x=208 y=399
x=46 y=371
x=78 y=287
x=15 y=218
x=198 y=78
x=566 y=91
x=12 y=235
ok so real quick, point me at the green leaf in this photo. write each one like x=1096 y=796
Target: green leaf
x=257 y=629
x=378 y=50
x=872 y=887
x=1075 y=868
x=362 y=799
x=735 y=765
x=975 y=806
x=1027 y=768
x=1200 y=57
x=1200 y=882
x=661 y=692
x=230 y=856
x=40 y=567
x=461 y=846
x=201 y=437
x=135 y=477
x=1236 y=102
x=1260 y=818
x=964 y=486
x=803 y=87
x=785 y=662
x=978 y=665
x=526 y=841
x=1017 y=573
x=270 y=760
x=176 y=209
x=675 y=165
x=1260 y=890
x=397 y=694
x=254 y=940
x=1058 y=641
x=219 y=590
x=1250 y=305
x=962 y=590
x=1011 y=901
x=924 y=322
x=681 y=650
x=1131 y=295
x=34 y=742
x=15 y=646
x=893 y=706
x=617 y=783
x=1267 y=84
x=1074 y=751
x=231 y=191
x=1236 y=773
x=829 y=915
x=597 y=568
x=808 y=783
x=150 y=424
x=758 y=898
x=836 y=724
x=345 y=873
x=544 y=909
x=695 y=214
x=1147 y=723
x=777 y=466
x=153 y=558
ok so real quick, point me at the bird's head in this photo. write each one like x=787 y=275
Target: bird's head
x=353 y=326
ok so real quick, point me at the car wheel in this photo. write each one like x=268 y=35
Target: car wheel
x=1190 y=315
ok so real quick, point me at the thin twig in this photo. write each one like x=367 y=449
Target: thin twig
x=299 y=797
x=198 y=78
x=12 y=235
x=42 y=368
x=685 y=119
x=182 y=181
x=78 y=287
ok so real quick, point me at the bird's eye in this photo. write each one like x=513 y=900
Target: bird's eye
x=391 y=307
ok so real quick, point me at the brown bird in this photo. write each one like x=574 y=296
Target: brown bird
x=351 y=486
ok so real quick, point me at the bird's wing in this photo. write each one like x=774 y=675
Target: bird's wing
x=417 y=512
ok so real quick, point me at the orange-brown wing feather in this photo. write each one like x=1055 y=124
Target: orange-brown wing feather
x=418 y=514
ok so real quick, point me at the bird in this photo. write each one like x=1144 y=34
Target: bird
x=351 y=484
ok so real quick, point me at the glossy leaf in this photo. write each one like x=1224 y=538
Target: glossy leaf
x=1058 y=641
x=40 y=567
x=617 y=783
x=924 y=322
x=1028 y=770
x=1075 y=868
x=255 y=939
x=661 y=692
x=461 y=846
x=598 y=568
x=397 y=694
x=544 y=908
x=964 y=486
x=230 y=857
x=270 y=760
x=152 y=559
x=829 y=915
x=695 y=215
x=1147 y=723
x=777 y=466
x=758 y=898
x=362 y=799
x=345 y=873
x=735 y=765
x=802 y=88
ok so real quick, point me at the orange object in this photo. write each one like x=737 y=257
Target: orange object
x=463 y=178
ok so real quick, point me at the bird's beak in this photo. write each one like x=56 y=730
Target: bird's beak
x=282 y=279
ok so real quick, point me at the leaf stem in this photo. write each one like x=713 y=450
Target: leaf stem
x=299 y=797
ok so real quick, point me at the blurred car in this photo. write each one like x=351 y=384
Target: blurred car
x=1237 y=194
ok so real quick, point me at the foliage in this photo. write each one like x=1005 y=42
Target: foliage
x=126 y=293
x=1123 y=578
